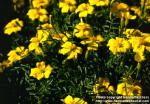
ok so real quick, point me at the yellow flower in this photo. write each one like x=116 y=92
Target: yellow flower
x=147 y=3
x=5 y=64
x=126 y=89
x=148 y=18
x=61 y=36
x=132 y=32
x=121 y=10
x=40 y=14
x=42 y=35
x=67 y=5
x=47 y=26
x=13 y=26
x=82 y=30
x=70 y=100
x=41 y=70
x=71 y=50
x=137 y=43
x=40 y=3
x=93 y=42
x=84 y=9
x=103 y=85
x=136 y=10
x=39 y=39
x=99 y=2
x=146 y=41
x=96 y=88
x=35 y=45
x=139 y=57
x=127 y=16
x=118 y=45
x=17 y=54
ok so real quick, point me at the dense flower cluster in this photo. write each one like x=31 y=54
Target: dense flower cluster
x=121 y=10
x=41 y=36
x=124 y=88
x=91 y=39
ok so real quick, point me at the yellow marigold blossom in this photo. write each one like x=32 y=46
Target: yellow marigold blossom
x=82 y=30
x=139 y=45
x=4 y=64
x=118 y=45
x=137 y=38
x=84 y=9
x=42 y=35
x=132 y=32
x=35 y=45
x=103 y=85
x=136 y=43
x=45 y=30
x=93 y=42
x=70 y=100
x=60 y=36
x=146 y=41
x=40 y=14
x=147 y=3
x=121 y=10
x=99 y=2
x=40 y=38
x=139 y=57
x=13 y=26
x=47 y=26
x=41 y=70
x=136 y=10
x=148 y=18
x=71 y=50
x=127 y=15
x=122 y=7
x=127 y=89
x=40 y=3
x=67 y=5
x=17 y=54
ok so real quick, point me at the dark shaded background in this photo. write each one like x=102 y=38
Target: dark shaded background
x=7 y=92
x=6 y=14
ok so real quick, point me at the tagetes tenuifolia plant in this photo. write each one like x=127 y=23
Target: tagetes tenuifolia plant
x=70 y=51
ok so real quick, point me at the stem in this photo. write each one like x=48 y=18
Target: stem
x=138 y=69
x=39 y=101
x=121 y=25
